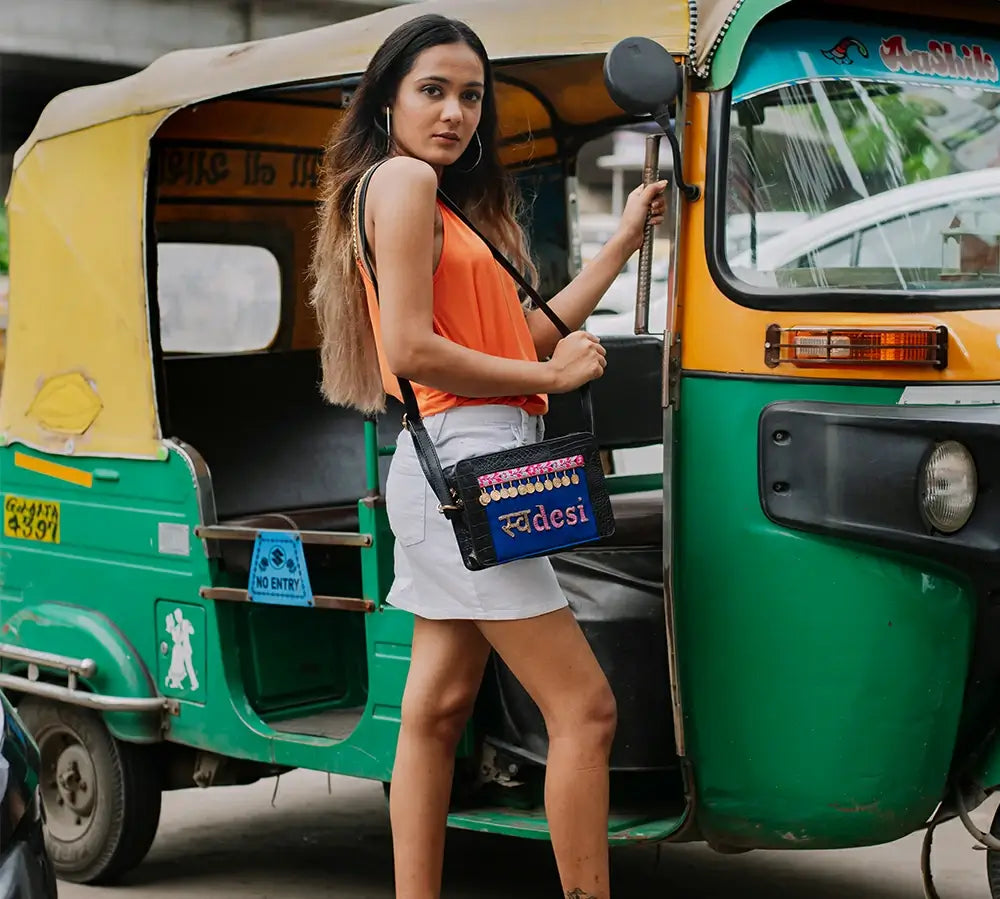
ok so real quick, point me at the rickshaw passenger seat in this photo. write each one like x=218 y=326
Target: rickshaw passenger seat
x=272 y=444
x=638 y=520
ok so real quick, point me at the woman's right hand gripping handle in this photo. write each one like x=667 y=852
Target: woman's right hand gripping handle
x=577 y=359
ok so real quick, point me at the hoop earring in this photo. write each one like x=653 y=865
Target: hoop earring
x=479 y=158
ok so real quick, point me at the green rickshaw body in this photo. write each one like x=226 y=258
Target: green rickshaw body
x=834 y=669
x=840 y=670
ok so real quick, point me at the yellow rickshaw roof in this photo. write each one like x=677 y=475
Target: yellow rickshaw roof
x=512 y=29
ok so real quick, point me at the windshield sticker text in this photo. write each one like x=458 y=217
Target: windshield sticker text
x=940 y=58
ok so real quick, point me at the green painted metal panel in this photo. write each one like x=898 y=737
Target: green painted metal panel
x=622 y=828
x=296 y=656
x=124 y=543
x=377 y=566
x=822 y=681
x=634 y=483
x=727 y=57
x=85 y=634
x=105 y=589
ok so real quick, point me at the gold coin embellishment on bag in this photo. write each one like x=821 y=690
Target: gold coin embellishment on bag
x=521 y=489
x=504 y=493
x=565 y=480
x=575 y=479
x=484 y=499
x=548 y=483
x=495 y=494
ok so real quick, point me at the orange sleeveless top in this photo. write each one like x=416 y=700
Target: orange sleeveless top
x=475 y=305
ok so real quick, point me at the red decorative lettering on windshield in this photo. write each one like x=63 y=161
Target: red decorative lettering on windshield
x=940 y=58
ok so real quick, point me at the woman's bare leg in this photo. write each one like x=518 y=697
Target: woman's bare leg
x=446 y=669
x=552 y=659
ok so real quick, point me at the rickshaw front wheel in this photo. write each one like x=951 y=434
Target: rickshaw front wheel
x=101 y=796
x=993 y=860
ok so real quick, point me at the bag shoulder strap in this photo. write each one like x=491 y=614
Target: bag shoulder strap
x=536 y=298
x=359 y=237
x=448 y=502
x=538 y=301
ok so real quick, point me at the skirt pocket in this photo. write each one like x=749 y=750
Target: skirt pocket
x=406 y=502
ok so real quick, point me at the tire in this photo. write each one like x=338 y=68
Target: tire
x=101 y=796
x=49 y=879
x=993 y=860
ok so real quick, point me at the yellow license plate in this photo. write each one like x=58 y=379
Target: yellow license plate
x=30 y=519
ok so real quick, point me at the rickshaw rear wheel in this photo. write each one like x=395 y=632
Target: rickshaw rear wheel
x=101 y=796
x=993 y=860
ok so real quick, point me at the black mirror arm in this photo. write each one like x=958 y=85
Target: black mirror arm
x=691 y=191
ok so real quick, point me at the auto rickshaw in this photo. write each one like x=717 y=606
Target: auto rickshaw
x=798 y=611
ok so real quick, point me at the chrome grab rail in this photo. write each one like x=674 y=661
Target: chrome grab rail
x=315 y=538
x=81 y=667
x=89 y=700
x=344 y=603
x=37 y=659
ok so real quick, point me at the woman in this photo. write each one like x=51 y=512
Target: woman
x=449 y=319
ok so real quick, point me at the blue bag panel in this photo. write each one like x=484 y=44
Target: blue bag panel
x=541 y=522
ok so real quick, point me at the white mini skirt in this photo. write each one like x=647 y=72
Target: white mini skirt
x=430 y=579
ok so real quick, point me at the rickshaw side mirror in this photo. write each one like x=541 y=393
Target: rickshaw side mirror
x=641 y=76
x=644 y=79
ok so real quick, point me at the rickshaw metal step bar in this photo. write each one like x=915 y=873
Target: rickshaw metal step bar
x=315 y=538
x=343 y=603
x=36 y=659
x=89 y=700
x=80 y=667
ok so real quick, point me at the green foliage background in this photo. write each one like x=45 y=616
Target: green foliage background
x=872 y=146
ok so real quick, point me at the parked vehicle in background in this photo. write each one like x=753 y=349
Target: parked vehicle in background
x=26 y=870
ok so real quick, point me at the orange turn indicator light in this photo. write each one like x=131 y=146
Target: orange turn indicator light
x=914 y=345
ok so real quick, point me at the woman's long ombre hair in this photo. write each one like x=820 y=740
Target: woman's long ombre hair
x=485 y=191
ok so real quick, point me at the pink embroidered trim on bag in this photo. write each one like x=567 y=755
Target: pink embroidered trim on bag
x=530 y=471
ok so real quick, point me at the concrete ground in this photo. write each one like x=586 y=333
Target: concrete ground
x=331 y=839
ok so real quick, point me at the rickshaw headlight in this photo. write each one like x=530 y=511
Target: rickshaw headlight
x=948 y=486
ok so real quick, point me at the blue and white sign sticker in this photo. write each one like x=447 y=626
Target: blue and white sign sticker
x=278 y=574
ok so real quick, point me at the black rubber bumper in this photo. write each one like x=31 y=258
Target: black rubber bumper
x=854 y=471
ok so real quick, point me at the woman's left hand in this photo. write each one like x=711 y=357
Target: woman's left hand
x=646 y=202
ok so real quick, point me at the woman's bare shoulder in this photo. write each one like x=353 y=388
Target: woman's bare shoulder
x=402 y=175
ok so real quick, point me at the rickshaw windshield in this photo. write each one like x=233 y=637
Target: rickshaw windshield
x=867 y=183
